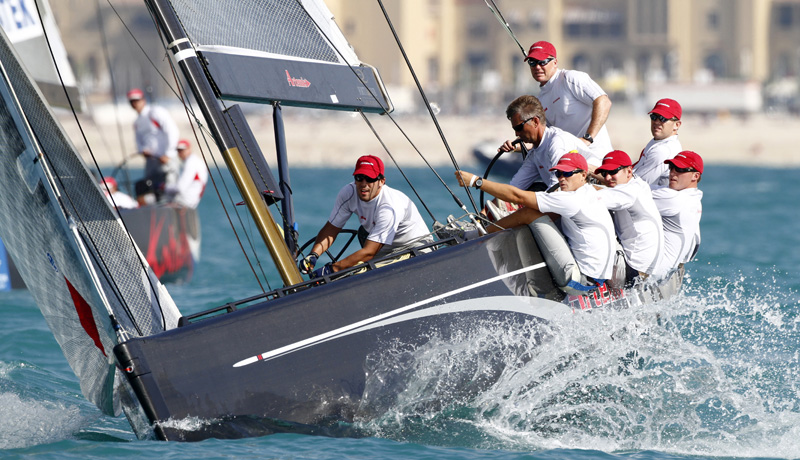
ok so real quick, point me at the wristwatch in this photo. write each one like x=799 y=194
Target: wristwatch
x=478 y=183
x=589 y=138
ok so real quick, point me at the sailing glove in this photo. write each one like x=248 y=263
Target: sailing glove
x=326 y=270
x=306 y=265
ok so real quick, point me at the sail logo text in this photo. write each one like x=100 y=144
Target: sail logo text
x=298 y=82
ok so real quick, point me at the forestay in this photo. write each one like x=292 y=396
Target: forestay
x=69 y=247
x=288 y=51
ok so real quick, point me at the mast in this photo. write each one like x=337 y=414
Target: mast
x=186 y=57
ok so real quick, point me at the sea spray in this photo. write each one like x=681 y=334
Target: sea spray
x=713 y=371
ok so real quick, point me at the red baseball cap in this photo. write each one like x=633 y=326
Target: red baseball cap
x=614 y=159
x=183 y=144
x=370 y=166
x=687 y=159
x=110 y=181
x=541 y=51
x=570 y=162
x=668 y=108
x=135 y=94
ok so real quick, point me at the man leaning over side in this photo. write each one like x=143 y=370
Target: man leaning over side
x=681 y=209
x=636 y=217
x=585 y=222
x=665 y=119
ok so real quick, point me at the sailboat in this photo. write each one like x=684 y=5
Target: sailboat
x=169 y=236
x=299 y=357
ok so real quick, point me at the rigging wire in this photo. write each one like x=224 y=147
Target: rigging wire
x=179 y=93
x=497 y=14
x=115 y=288
x=400 y=129
x=107 y=55
x=430 y=111
x=396 y=165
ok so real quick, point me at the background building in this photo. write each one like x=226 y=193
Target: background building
x=743 y=54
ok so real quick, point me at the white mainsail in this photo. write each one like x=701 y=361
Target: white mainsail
x=70 y=248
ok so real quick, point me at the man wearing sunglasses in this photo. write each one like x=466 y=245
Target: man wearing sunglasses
x=389 y=217
x=665 y=119
x=585 y=222
x=636 y=217
x=527 y=117
x=681 y=209
x=571 y=99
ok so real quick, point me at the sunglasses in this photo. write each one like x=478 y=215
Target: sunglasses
x=567 y=174
x=521 y=125
x=533 y=62
x=607 y=172
x=361 y=177
x=661 y=118
x=672 y=167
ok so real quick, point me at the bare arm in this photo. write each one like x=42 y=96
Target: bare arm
x=325 y=238
x=601 y=107
x=364 y=254
x=503 y=191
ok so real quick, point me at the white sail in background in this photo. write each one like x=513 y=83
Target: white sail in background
x=72 y=251
x=21 y=22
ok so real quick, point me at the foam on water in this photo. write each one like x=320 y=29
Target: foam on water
x=27 y=422
x=713 y=371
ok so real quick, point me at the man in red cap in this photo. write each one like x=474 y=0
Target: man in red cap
x=191 y=184
x=681 y=209
x=156 y=138
x=636 y=217
x=585 y=222
x=118 y=199
x=571 y=99
x=388 y=217
x=665 y=119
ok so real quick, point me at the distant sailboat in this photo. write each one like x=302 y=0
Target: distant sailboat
x=169 y=236
x=293 y=358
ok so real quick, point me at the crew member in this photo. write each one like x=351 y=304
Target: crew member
x=681 y=209
x=527 y=117
x=117 y=198
x=665 y=119
x=388 y=216
x=571 y=99
x=585 y=222
x=192 y=179
x=156 y=139
x=636 y=217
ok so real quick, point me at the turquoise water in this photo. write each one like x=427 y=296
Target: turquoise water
x=712 y=373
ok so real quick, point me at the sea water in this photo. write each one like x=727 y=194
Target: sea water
x=713 y=372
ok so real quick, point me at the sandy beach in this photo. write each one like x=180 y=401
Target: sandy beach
x=336 y=139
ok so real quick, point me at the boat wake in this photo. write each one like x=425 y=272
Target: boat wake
x=26 y=419
x=711 y=371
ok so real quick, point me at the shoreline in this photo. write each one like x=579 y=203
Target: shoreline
x=335 y=139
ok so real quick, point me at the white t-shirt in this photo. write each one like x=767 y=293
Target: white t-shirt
x=191 y=182
x=651 y=167
x=638 y=224
x=121 y=199
x=157 y=133
x=391 y=218
x=681 y=212
x=587 y=226
x=567 y=99
x=554 y=144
